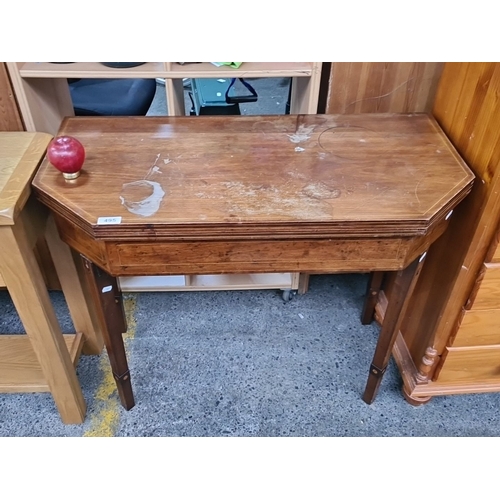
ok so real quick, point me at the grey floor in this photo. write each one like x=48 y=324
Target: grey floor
x=245 y=363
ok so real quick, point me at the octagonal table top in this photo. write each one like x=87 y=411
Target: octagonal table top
x=249 y=176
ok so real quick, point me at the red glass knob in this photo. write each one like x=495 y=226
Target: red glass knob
x=67 y=154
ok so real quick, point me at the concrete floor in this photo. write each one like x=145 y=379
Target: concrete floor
x=245 y=363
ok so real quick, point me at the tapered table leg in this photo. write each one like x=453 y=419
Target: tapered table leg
x=107 y=295
x=404 y=284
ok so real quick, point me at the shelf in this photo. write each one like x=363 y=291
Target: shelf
x=19 y=368
x=166 y=70
x=210 y=282
x=246 y=70
x=242 y=281
x=89 y=70
x=151 y=283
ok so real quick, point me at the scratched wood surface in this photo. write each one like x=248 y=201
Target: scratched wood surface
x=377 y=87
x=274 y=175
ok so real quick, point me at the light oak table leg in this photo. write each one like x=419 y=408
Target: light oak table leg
x=28 y=291
x=76 y=293
x=403 y=287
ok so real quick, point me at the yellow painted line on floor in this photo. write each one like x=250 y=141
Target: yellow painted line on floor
x=105 y=422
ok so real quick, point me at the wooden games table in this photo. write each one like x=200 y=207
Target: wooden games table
x=255 y=194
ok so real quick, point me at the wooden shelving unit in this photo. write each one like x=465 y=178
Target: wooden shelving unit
x=44 y=99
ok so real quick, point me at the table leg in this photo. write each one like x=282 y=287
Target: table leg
x=107 y=296
x=403 y=287
x=28 y=291
x=374 y=285
x=80 y=305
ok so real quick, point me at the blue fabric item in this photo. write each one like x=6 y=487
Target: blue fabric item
x=112 y=97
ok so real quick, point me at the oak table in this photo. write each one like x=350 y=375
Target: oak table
x=44 y=359
x=296 y=193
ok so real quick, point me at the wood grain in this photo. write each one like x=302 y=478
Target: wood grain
x=475 y=364
x=488 y=292
x=479 y=328
x=21 y=152
x=243 y=177
x=454 y=261
x=10 y=117
x=296 y=193
x=476 y=132
x=376 y=87
x=19 y=367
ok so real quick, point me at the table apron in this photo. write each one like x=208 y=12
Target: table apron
x=329 y=255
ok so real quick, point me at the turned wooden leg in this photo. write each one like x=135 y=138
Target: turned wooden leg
x=423 y=376
x=373 y=289
x=108 y=299
x=403 y=287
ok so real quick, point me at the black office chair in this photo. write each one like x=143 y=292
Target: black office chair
x=112 y=97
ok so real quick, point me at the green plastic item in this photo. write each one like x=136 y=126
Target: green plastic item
x=234 y=65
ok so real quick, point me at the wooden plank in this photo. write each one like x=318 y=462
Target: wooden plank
x=10 y=117
x=175 y=97
x=255 y=256
x=166 y=70
x=19 y=367
x=472 y=114
x=20 y=154
x=467 y=107
x=448 y=92
x=471 y=364
x=43 y=102
x=400 y=87
x=304 y=97
x=257 y=281
x=496 y=253
x=479 y=328
x=485 y=136
x=487 y=295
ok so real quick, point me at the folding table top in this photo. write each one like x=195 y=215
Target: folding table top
x=248 y=176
